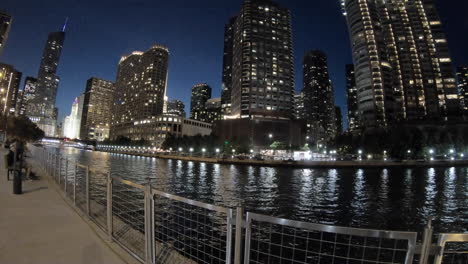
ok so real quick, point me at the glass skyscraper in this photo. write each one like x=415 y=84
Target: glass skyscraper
x=5 y=25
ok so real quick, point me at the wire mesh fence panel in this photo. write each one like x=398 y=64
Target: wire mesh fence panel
x=190 y=232
x=70 y=178
x=128 y=217
x=275 y=240
x=98 y=197
x=80 y=187
x=455 y=253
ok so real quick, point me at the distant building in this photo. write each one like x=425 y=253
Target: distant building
x=212 y=110
x=352 y=99
x=175 y=108
x=338 y=121
x=166 y=125
x=462 y=75
x=5 y=25
x=229 y=30
x=71 y=123
x=10 y=80
x=299 y=111
x=319 y=100
x=26 y=95
x=200 y=95
x=402 y=62
x=139 y=93
x=97 y=109
x=41 y=108
x=262 y=64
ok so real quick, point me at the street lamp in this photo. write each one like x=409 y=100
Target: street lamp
x=180 y=149
x=217 y=150
x=233 y=151
x=191 y=150
x=251 y=151
x=431 y=151
x=409 y=151
x=359 y=152
x=270 y=136
x=203 y=150
x=452 y=151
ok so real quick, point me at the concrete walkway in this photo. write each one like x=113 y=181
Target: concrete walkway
x=39 y=227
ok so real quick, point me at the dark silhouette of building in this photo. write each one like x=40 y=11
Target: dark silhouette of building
x=402 y=61
x=139 y=93
x=97 y=108
x=262 y=66
x=352 y=99
x=338 y=121
x=200 y=95
x=175 y=108
x=227 y=67
x=5 y=25
x=462 y=76
x=319 y=101
x=10 y=80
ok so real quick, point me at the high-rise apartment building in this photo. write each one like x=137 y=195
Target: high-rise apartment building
x=299 y=111
x=97 y=109
x=10 y=80
x=262 y=64
x=227 y=67
x=175 y=108
x=139 y=93
x=402 y=62
x=5 y=24
x=338 y=120
x=41 y=108
x=319 y=100
x=26 y=95
x=200 y=95
x=352 y=99
x=71 y=123
x=212 y=110
x=462 y=76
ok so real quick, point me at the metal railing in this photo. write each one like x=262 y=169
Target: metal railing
x=158 y=227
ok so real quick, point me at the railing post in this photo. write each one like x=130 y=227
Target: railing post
x=59 y=170
x=229 y=236
x=66 y=176
x=149 y=226
x=74 y=185
x=109 y=206
x=87 y=191
x=426 y=243
x=238 y=245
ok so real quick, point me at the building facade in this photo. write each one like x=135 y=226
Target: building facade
x=175 y=108
x=402 y=63
x=71 y=124
x=200 y=95
x=10 y=80
x=5 y=25
x=299 y=111
x=319 y=100
x=26 y=95
x=262 y=64
x=41 y=108
x=352 y=99
x=338 y=120
x=140 y=89
x=97 y=109
x=213 y=110
x=462 y=76
x=227 y=68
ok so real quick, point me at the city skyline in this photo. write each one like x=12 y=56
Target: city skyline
x=308 y=33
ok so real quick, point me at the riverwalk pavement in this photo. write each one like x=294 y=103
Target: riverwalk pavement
x=40 y=227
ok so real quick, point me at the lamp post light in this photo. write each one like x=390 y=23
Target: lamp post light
x=360 y=154
x=452 y=151
x=270 y=136
x=217 y=150
x=180 y=149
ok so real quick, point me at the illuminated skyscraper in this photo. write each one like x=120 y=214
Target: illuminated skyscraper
x=5 y=24
x=10 y=80
x=212 y=110
x=299 y=111
x=139 y=93
x=352 y=99
x=26 y=95
x=41 y=108
x=462 y=75
x=319 y=100
x=403 y=66
x=175 y=108
x=262 y=65
x=200 y=95
x=97 y=109
x=227 y=67
x=71 y=123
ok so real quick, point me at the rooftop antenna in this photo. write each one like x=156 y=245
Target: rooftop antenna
x=65 y=25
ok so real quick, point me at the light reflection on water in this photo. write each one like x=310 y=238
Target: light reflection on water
x=397 y=199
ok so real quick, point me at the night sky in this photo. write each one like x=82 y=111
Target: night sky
x=101 y=31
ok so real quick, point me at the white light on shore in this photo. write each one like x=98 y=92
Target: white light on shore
x=217 y=150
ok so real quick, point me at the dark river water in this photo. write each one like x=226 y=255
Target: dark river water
x=395 y=199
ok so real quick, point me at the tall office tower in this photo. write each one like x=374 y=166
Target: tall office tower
x=212 y=110
x=5 y=24
x=263 y=69
x=403 y=67
x=462 y=75
x=10 y=80
x=200 y=95
x=338 y=120
x=352 y=99
x=27 y=95
x=139 y=93
x=319 y=100
x=175 y=108
x=227 y=68
x=41 y=108
x=97 y=109
x=71 y=123
x=299 y=113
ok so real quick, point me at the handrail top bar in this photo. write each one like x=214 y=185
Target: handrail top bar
x=127 y=182
x=404 y=235
x=191 y=202
x=452 y=237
